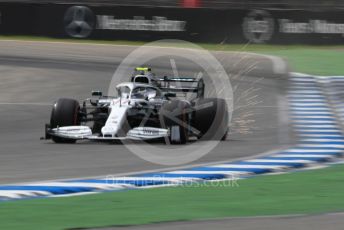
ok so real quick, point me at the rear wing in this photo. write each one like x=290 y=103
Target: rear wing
x=182 y=85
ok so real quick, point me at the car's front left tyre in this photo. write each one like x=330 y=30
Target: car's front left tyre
x=65 y=112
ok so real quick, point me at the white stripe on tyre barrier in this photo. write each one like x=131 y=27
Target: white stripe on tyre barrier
x=305 y=88
x=309 y=115
x=299 y=76
x=249 y=166
x=323 y=109
x=314 y=121
x=155 y=178
x=234 y=173
x=296 y=112
x=314 y=126
x=303 y=96
x=306 y=101
x=312 y=150
x=323 y=145
x=315 y=130
x=318 y=135
x=303 y=83
x=311 y=112
x=323 y=140
x=296 y=75
x=305 y=92
x=16 y=194
x=309 y=104
x=104 y=186
x=302 y=79
x=306 y=98
x=280 y=161
x=304 y=155
x=315 y=134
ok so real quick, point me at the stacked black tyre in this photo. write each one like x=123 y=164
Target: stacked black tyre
x=65 y=112
x=211 y=119
x=174 y=115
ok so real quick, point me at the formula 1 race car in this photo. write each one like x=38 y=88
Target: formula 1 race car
x=147 y=107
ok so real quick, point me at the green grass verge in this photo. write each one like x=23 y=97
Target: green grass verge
x=313 y=191
x=324 y=62
x=319 y=60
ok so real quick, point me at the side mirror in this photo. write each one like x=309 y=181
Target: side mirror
x=169 y=94
x=97 y=93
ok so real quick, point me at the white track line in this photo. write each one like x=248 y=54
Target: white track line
x=239 y=166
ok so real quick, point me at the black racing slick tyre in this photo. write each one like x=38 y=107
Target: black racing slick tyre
x=174 y=115
x=211 y=119
x=65 y=112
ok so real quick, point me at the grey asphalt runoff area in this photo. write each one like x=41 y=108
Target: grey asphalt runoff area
x=332 y=221
x=35 y=74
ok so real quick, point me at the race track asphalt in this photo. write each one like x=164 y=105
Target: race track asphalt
x=331 y=221
x=35 y=74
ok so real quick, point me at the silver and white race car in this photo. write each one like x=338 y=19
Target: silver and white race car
x=147 y=107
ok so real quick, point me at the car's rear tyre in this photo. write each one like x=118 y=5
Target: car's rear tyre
x=65 y=112
x=174 y=115
x=211 y=119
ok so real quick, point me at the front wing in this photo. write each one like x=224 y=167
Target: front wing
x=84 y=132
